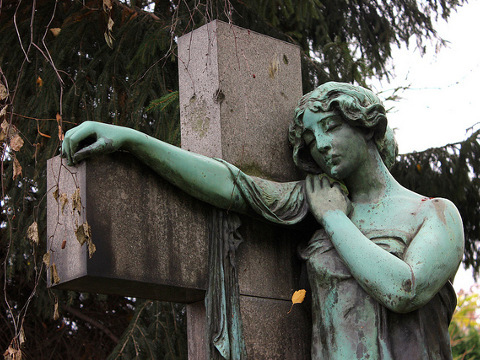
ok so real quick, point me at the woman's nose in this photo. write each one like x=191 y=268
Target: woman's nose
x=323 y=145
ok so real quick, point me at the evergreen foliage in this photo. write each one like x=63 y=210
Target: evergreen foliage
x=64 y=62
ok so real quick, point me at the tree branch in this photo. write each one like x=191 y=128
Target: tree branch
x=91 y=321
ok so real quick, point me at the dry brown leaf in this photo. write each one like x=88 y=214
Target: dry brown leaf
x=16 y=142
x=56 y=314
x=84 y=234
x=77 y=201
x=107 y=5
x=3 y=92
x=55 y=194
x=55 y=31
x=63 y=200
x=9 y=131
x=17 y=169
x=64 y=243
x=91 y=248
x=12 y=354
x=54 y=274
x=3 y=112
x=39 y=82
x=297 y=298
x=110 y=24
x=21 y=336
x=46 y=259
x=32 y=233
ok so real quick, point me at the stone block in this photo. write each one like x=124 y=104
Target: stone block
x=151 y=239
x=238 y=92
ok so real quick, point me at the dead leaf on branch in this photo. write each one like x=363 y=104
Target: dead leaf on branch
x=9 y=130
x=39 y=82
x=3 y=112
x=21 y=336
x=32 y=233
x=107 y=5
x=46 y=259
x=55 y=194
x=12 y=354
x=3 y=92
x=55 y=31
x=16 y=142
x=77 y=201
x=91 y=248
x=83 y=233
x=63 y=201
x=56 y=314
x=297 y=298
x=17 y=169
x=54 y=274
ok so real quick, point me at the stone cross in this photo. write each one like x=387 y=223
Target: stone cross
x=238 y=90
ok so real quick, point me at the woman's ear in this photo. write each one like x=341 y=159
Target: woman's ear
x=369 y=134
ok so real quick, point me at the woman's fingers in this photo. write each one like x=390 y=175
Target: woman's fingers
x=73 y=138
x=97 y=147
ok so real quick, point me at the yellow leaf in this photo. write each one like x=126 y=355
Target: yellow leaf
x=55 y=31
x=297 y=298
x=17 y=169
x=16 y=142
x=32 y=233
x=39 y=82
x=54 y=274
x=63 y=201
x=77 y=201
x=46 y=259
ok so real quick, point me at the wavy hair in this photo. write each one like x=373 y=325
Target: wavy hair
x=358 y=106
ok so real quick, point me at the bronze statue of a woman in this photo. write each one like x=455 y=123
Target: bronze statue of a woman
x=380 y=264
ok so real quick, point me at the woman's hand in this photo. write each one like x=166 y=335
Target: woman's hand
x=323 y=196
x=92 y=138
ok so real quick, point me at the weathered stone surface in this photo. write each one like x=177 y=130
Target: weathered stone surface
x=238 y=90
x=141 y=251
x=270 y=332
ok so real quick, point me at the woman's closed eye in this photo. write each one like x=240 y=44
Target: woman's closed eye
x=332 y=125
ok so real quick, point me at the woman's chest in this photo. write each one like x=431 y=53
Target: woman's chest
x=388 y=218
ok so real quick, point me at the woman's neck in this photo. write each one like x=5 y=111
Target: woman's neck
x=371 y=181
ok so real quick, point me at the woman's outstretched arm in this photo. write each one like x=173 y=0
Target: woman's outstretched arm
x=202 y=177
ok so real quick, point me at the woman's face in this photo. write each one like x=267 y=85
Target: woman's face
x=338 y=148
